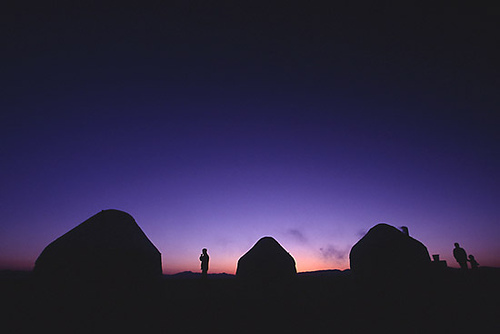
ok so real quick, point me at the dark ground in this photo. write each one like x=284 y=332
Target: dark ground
x=333 y=301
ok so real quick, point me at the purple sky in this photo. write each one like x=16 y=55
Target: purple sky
x=215 y=125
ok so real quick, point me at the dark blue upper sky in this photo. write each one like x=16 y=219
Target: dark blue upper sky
x=215 y=123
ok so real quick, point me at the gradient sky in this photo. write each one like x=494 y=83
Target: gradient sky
x=214 y=124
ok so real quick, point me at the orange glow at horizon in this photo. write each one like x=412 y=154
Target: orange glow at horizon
x=227 y=264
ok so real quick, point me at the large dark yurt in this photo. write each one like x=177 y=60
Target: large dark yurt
x=386 y=250
x=266 y=260
x=109 y=244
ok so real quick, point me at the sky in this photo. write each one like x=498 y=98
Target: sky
x=217 y=123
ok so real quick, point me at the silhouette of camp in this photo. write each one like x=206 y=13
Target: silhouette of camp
x=263 y=298
x=266 y=260
x=109 y=244
x=387 y=250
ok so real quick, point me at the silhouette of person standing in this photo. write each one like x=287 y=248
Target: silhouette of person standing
x=204 y=263
x=473 y=262
x=461 y=256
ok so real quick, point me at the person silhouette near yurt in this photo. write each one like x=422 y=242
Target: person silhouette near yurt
x=204 y=258
x=473 y=263
x=461 y=256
